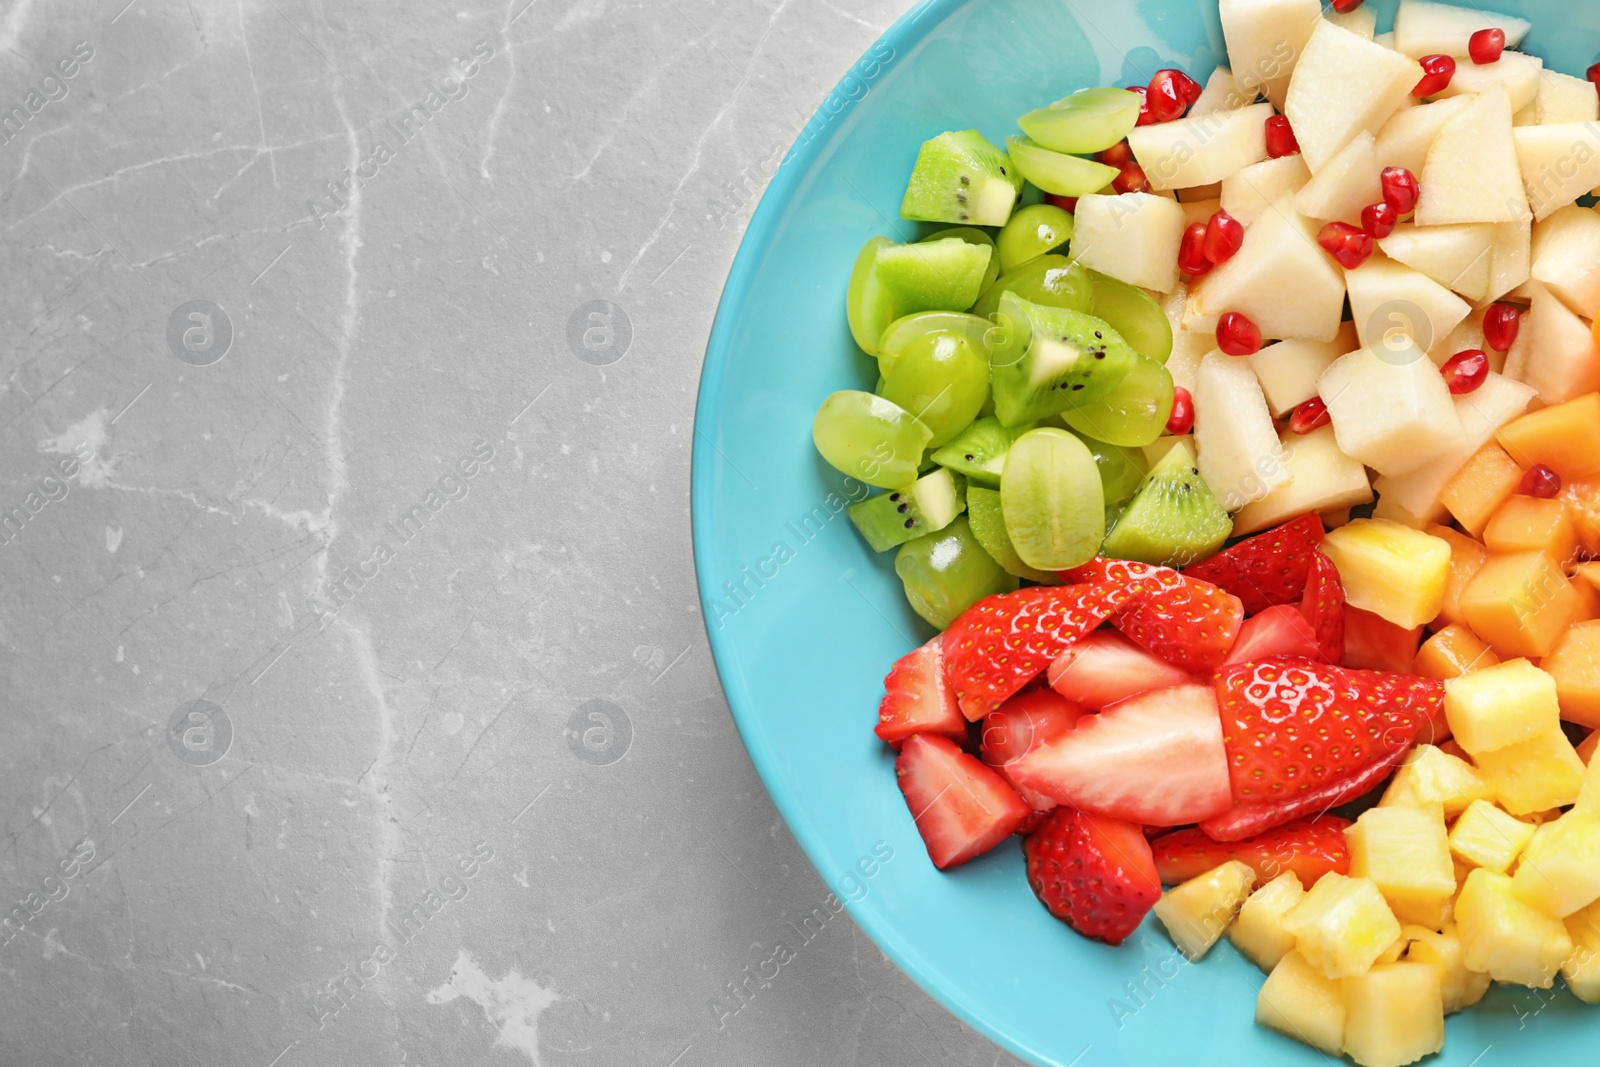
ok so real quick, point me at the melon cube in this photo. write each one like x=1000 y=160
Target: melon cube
x=1289 y=370
x=1432 y=778
x=1259 y=932
x=1472 y=173
x=1529 y=524
x=1390 y=301
x=1562 y=362
x=1500 y=706
x=1394 y=1014
x=1566 y=438
x=1476 y=491
x=1559 y=163
x=1559 y=872
x=1280 y=278
x=1342 y=925
x=1567 y=260
x=1582 y=969
x=1265 y=39
x=1516 y=72
x=1222 y=93
x=1467 y=558
x=1575 y=666
x=1533 y=776
x=1321 y=478
x=1505 y=937
x=1343 y=85
x=1422 y=28
x=1250 y=193
x=1240 y=456
x=1457 y=257
x=1345 y=184
x=1199 y=151
x=1487 y=837
x=1442 y=949
x=1133 y=238
x=1405 y=139
x=1298 y=1001
x=1198 y=912
x=1390 y=408
x=1452 y=652
x=1405 y=850
x=1395 y=572
x=1521 y=604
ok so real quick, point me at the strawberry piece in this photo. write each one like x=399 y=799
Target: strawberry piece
x=1095 y=874
x=1373 y=643
x=1190 y=624
x=1246 y=820
x=1323 y=607
x=1291 y=727
x=1281 y=630
x=1031 y=718
x=1156 y=760
x=917 y=700
x=1106 y=667
x=1310 y=848
x=1003 y=642
x=1269 y=568
x=962 y=808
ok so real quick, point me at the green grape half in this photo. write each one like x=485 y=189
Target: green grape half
x=1031 y=232
x=1122 y=470
x=1135 y=315
x=1053 y=502
x=947 y=572
x=867 y=305
x=903 y=331
x=1053 y=281
x=1056 y=172
x=942 y=379
x=1088 y=121
x=1134 y=413
x=870 y=438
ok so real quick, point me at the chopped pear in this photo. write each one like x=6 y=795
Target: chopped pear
x=1222 y=93
x=1562 y=362
x=1516 y=73
x=1199 y=151
x=1322 y=478
x=1265 y=39
x=1390 y=301
x=1511 y=263
x=1133 y=238
x=1343 y=85
x=1280 y=279
x=1563 y=98
x=1363 y=21
x=1250 y=193
x=1422 y=28
x=1240 y=457
x=1405 y=139
x=1559 y=163
x=1289 y=370
x=1390 y=407
x=1345 y=184
x=1568 y=258
x=1458 y=257
x=1472 y=173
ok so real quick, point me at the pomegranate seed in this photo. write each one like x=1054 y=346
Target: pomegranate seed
x=1237 y=335
x=1069 y=204
x=1501 y=324
x=1401 y=190
x=1594 y=74
x=1540 y=481
x=1280 y=138
x=1311 y=415
x=1344 y=242
x=1344 y=7
x=1437 y=72
x=1165 y=97
x=1116 y=155
x=1224 y=237
x=1486 y=45
x=1465 y=371
x=1192 y=251
x=1145 y=117
x=1131 y=180
x=1189 y=89
x=1181 y=421
x=1379 y=220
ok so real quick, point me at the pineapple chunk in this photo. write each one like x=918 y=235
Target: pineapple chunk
x=1259 y=932
x=1506 y=938
x=1559 y=872
x=1588 y=800
x=1406 y=853
x=1200 y=910
x=1394 y=1014
x=1582 y=969
x=1342 y=925
x=1432 y=776
x=1298 y=1002
x=1397 y=573
x=1487 y=837
x=1461 y=988
x=1533 y=776
x=1501 y=705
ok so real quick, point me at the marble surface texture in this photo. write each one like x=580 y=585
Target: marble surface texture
x=357 y=708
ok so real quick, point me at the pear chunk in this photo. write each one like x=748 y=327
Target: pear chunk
x=1343 y=85
x=1363 y=21
x=1567 y=261
x=1422 y=28
x=1132 y=238
x=1511 y=263
x=1281 y=279
x=1265 y=39
x=1559 y=163
x=1472 y=173
x=1322 y=478
x=1349 y=182
x=1240 y=457
x=1563 y=98
x=1389 y=300
x=1223 y=93
x=1390 y=407
x=1289 y=370
x=1249 y=193
x=1457 y=257
x=1562 y=363
x=1405 y=139
x=1200 y=151
x=1516 y=73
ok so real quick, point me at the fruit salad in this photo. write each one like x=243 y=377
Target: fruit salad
x=1241 y=442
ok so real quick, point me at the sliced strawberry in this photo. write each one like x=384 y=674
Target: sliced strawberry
x=1290 y=727
x=1278 y=631
x=1269 y=568
x=1093 y=873
x=961 y=808
x=1323 y=607
x=1106 y=667
x=1155 y=760
x=1246 y=820
x=1373 y=643
x=1308 y=847
x=1003 y=642
x=1190 y=624
x=917 y=699
x=1031 y=718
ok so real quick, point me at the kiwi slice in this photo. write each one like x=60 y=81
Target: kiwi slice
x=1174 y=519
x=973 y=236
x=979 y=451
x=929 y=504
x=944 y=275
x=988 y=523
x=1046 y=360
x=961 y=178
x=1053 y=281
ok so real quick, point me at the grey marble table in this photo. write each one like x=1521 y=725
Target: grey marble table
x=357 y=707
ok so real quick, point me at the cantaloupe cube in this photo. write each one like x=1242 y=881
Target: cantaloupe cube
x=1321 y=477
x=1477 y=490
x=1342 y=925
x=1559 y=872
x=1405 y=850
x=1521 y=604
x=1394 y=1014
x=1584 y=497
x=1289 y=370
x=1452 y=652
x=1431 y=777
x=1259 y=932
x=1487 y=837
x=1345 y=184
x=1250 y=193
x=1300 y=1002
x=1533 y=776
x=1343 y=85
x=1198 y=912
x=1501 y=705
x=1397 y=573
x=1472 y=174
x=1467 y=557
x=1529 y=524
x=1442 y=949
x=1506 y=938
x=1566 y=438
x=1575 y=666
x=1582 y=969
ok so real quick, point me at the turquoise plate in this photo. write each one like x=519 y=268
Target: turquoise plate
x=804 y=620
